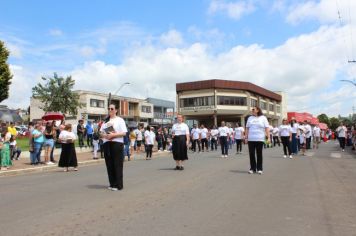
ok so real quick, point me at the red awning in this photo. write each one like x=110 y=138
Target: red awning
x=323 y=126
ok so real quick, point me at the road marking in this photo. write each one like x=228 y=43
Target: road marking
x=335 y=155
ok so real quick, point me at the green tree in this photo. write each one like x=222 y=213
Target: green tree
x=323 y=118
x=57 y=95
x=5 y=74
x=334 y=123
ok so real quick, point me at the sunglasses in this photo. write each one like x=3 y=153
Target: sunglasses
x=111 y=109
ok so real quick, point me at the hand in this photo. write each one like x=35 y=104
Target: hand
x=187 y=143
x=111 y=136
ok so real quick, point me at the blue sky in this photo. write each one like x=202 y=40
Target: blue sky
x=299 y=47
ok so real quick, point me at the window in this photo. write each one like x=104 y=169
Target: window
x=97 y=103
x=197 y=102
x=146 y=109
x=232 y=101
x=253 y=103
x=263 y=105
x=278 y=109
x=271 y=107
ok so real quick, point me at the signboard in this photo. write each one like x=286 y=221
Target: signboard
x=204 y=108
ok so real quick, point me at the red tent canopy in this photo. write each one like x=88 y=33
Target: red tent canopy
x=323 y=126
x=53 y=116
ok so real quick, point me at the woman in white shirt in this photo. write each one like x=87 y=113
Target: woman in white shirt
x=149 y=141
x=112 y=132
x=68 y=157
x=180 y=135
x=295 y=142
x=341 y=131
x=239 y=136
x=285 y=132
x=224 y=132
x=257 y=129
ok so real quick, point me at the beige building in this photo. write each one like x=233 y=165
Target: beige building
x=212 y=101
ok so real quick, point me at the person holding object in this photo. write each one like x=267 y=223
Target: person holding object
x=257 y=129
x=180 y=135
x=68 y=157
x=112 y=132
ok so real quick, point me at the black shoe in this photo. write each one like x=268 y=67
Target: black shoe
x=177 y=168
x=181 y=168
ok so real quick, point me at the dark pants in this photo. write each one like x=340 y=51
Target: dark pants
x=51 y=156
x=342 y=142
x=194 y=147
x=238 y=145
x=214 y=144
x=254 y=148
x=160 y=145
x=164 y=144
x=276 y=140
x=81 y=139
x=114 y=160
x=90 y=140
x=224 y=145
x=286 y=145
x=204 y=143
x=308 y=142
x=149 y=150
x=294 y=144
x=15 y=152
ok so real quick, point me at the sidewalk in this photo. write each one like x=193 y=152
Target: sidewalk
x=84 y=156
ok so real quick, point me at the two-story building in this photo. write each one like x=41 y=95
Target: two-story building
x=212 y=101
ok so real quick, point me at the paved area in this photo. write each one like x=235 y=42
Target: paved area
x=306 y=195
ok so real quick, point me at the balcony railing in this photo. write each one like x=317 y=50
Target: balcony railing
x=162 y=115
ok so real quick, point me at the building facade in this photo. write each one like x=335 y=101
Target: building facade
x=211 y=101
x=133 y=110
x=163 y=112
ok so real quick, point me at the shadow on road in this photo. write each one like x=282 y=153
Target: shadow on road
x=239 y=171
x=96 y=186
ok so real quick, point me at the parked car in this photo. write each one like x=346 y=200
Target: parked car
x=21 y=130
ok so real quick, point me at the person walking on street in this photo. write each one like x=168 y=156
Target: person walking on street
x=149 y=141
x=5 y=157
x=285 y=132
x=50 y=135
x=90 y=131
x=257 y=129
x=80 y=133
x=214 y=133
x=204 y=138
x=295 y=138
x=275 y=133
x=223 y=136
x=341 y=131
x=38 y=139
x=196 y=136
x=308 y=134
x=180 y=136
x=239 y=137
x=316 y=136
x=112 y=132
x=138 y=140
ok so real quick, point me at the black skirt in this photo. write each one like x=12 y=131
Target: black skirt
x=180 y=148
x=68 y=156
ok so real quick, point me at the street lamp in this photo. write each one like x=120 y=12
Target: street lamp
x=349 y=81
x=118 y=90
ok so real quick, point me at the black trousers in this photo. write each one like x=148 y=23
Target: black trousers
x=255 y=147
x=286 y=145
x=342 y=142
x=195 y=142
x=149 y=150
x=224 y=146
x=114 y=160
x=276 y=140
x=164 y=144
x=90 y=140
x=214 y=144
x=238 y=145
x=81 y=139
x=308 y=142
x=204 y=143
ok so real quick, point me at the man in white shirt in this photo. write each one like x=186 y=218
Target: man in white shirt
x=275 y=133
x=341 y=131
x=316 y=136
x=204 y=136
x=239 y=135
x=214 y=138
x=224 y=133
x=308 y=134
x=196 y=137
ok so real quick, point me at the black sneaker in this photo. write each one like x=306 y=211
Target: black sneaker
x=181 y=168
x=177 y=168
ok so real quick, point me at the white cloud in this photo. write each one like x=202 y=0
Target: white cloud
x=87 y=51
x=234 y=10
x=15 y=50
x=55 y=32
x=324 y=11
x=172 y=38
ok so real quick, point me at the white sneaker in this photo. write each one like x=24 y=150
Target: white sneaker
x=343 y=150
x=50 y=163
x=225 y=156
x=114 y=189
x=222 y=156
x=285 y=156
x=110 y=188
x=290 y=156
x=260 y=172
x=250 y=172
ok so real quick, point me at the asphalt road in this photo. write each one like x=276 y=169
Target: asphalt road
x=306 y=195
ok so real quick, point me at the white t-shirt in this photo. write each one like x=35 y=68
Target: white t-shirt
x=147 y=137
x=119 y=126
x=195 y=133
x=256 y=128
x=302 y=138
x=275 y=131
x=316 y=132
x=152 y=138
x=231 y=131
x=138 y=135
x=204 y=132
x=295 y=128
x=341 y=131
x=308 y=131
x=238 y=132
x=224 y=131
x=64 y=135
x=285 y=130
x=214 y=133
x=180 y=129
